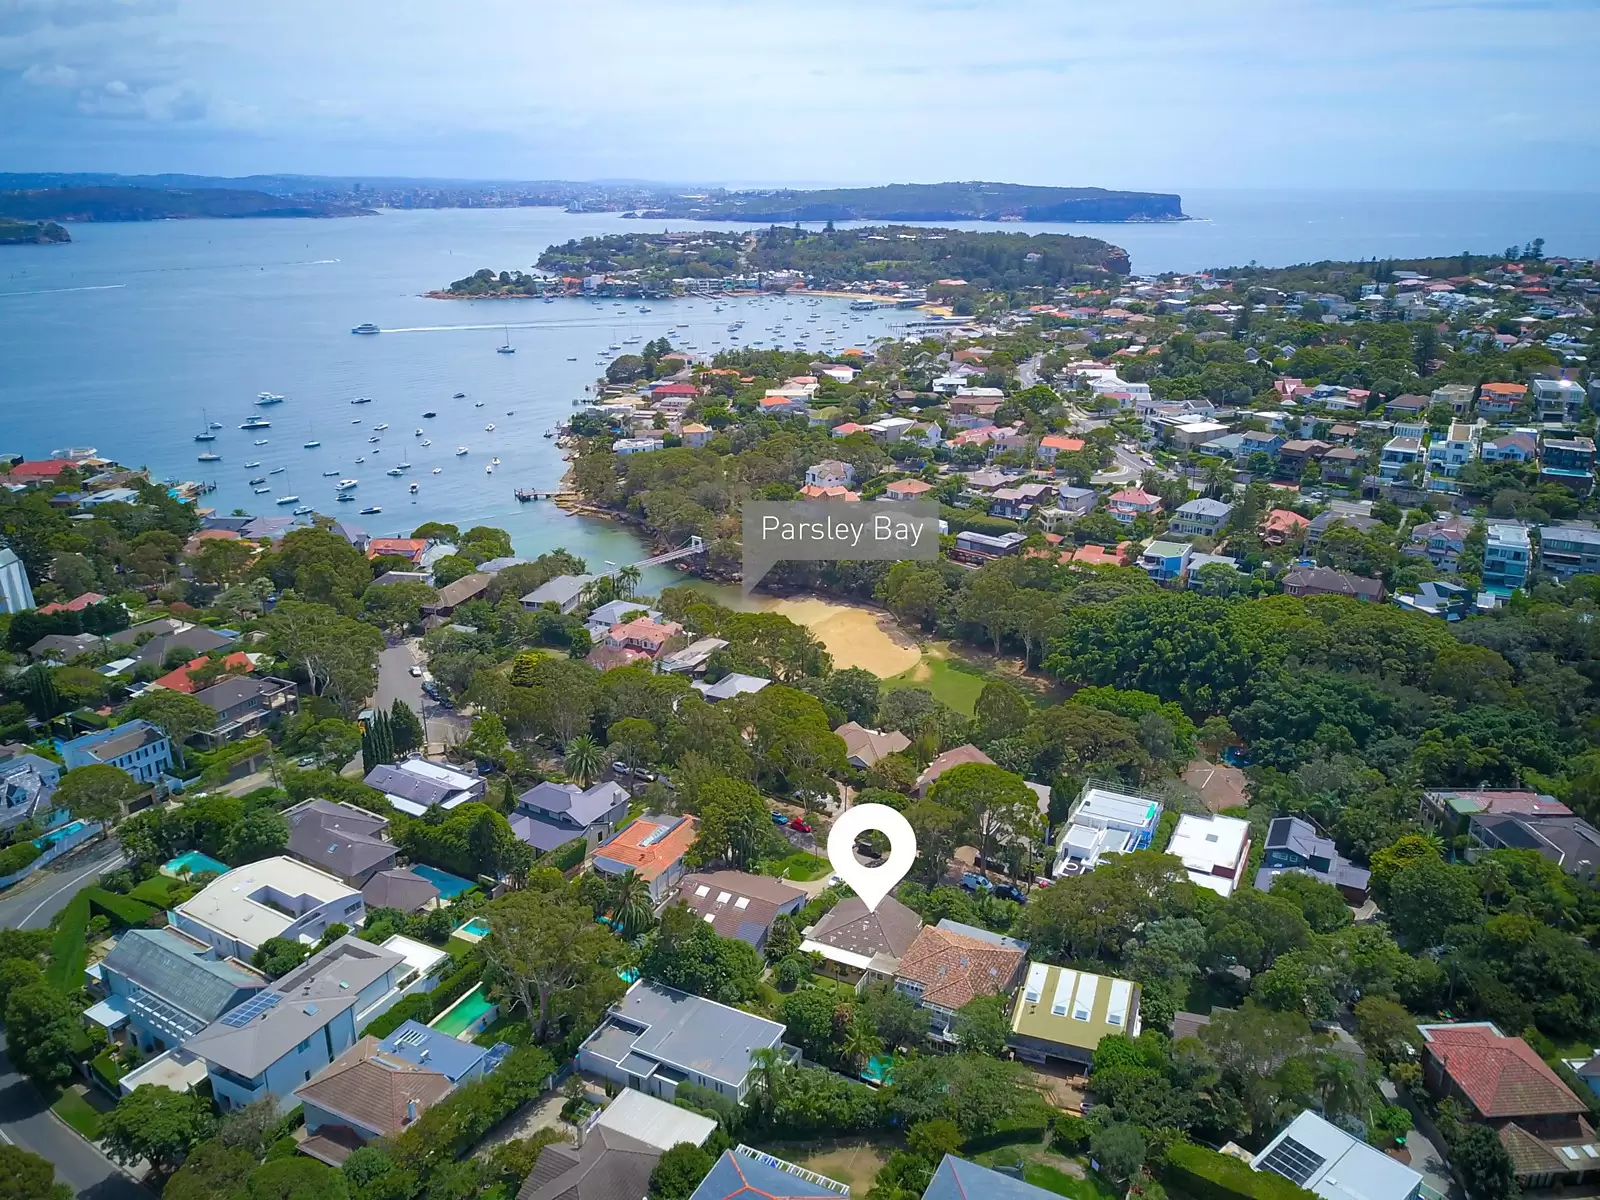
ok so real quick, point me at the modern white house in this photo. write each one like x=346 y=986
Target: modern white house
x=1104 y=822
x=1322 y=1158
x=274 y=898
x=1214 y=850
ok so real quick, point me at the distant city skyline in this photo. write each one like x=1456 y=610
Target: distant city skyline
x=1165 y=96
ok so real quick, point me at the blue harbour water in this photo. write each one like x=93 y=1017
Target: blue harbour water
x=135 y=336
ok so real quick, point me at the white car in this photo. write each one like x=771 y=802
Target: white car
x=416 y=672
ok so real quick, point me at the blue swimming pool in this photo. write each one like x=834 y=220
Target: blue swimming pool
x=477 y=927
x=450 y=886
x=57 y=835
x=196 y=862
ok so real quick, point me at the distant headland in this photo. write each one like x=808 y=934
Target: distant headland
x=31 y=233
x=158 y=204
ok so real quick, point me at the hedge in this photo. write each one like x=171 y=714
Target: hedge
x=1207 y=1175
x=565 y=856
x=14 y=858
x=970 y=520
x=123 y=910
x=1027 y=1127
x=417 y=1006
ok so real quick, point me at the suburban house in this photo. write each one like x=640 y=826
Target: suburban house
x=161 y=987
x=643 y=634
x=281 y=1037
x=1454 y=449
x=62 y=647
x=1437 y=598
x=1128 y=505
x=696 y=435
x=1076 y=501
x=1457 y=395
x=955 y=757
x=863 y=747
x=1325 y=581
x=16 y=590
x=1504 y=1083
x=744 y=1173
x=739 y=905
x=1253 y=442
x=1568 y=550
x=274 y=898
x=1324 y=521
x=961 y=1179
x=1397 y=454
x=551 y=814
x=1446 y=811
x=1200 y=518
x=1214 y=850
x=1500 y=399
x=1343 y=463
x=1295 y=845
x=1062 y=1014
x=950 y=963
x=605 y=1163
x=1558 y=400
x=857 y=943
x=377 y=1088
x=616 y=612
x=1440 y=542
x=181 y=679
x=730 y=686
x=453 y=595
x=907 y=489
x=652 y=846
x=1568 y=841
x=564 y=591
x=1165 y=561
x=1409 y=405
x=1569 y=462
x=1318 y=1156
x=657 y=1037
x=399 y=888
x=1280 y=525
x=414 y=785
x=245 y=706
x=972 y=546
x=27 y=787
x=1053 y=444
x=166 y=634
x=347 y=842
x=1295 y=455
x=652 y=1121
x=138 y=748
x=830 y=472
x=1103 y=822
x=1506 y=556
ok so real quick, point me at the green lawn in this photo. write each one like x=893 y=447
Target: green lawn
x=799 y=866
x=942 y=675
x=81 y=1112
x=1048 y=1171
x=69 y=948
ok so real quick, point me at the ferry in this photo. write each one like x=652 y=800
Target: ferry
x=258 y=478
x=209 y=456
x=862 y=305
x=362 y=400
x=372 y=510
x=268 y=398
x=290 y=499
x=255 y=423
x=366 y=327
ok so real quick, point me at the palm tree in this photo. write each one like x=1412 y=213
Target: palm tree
x=860 y=1046
x=1340 y=1085
x=771 y=1071
x=627 y=578
x=584 y=759
x=631 y=908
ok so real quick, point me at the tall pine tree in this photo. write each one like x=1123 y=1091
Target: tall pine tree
x=406 y=728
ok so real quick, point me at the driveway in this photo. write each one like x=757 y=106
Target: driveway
x=25 y=1121
x=1426 y=1157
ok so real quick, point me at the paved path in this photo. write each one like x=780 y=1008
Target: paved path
x=25 y=1121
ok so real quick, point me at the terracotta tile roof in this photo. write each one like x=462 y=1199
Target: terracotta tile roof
x=1281 y=520
x=76 y=604
x=908 y=487
x=374 y=1089
x=1099 y=556
x=1057 y=442
x=650 y=860
x=1530 y=1156
x=1134 y=495
x=1505 y=389
x=1501 y=1076
x=815 y=492
x=46 y=469
x=953 y=968
x=178 y=680
x=951 y=758
x=411 y=548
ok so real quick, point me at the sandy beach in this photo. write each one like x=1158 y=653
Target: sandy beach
x=856 y=637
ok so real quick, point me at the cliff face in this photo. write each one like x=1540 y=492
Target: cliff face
x=28 y=233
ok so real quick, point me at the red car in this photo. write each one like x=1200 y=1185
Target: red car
x=800 y=826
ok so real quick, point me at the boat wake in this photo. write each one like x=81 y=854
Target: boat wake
x=94 y=287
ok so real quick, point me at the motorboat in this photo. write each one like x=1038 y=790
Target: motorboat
x=477 y=404
x=430 y=414
x=367 y=328
x=380 y=427
x=258 y=479
x=255 y=423
x=205 y=435
x=277 y=470
x=413 y=489
x=396 y=471
x=417 y=432
x=251 y=465
x=438 y=470
x=312 y=444
x=405 y=466
x=495 y=461
x=344 y=497
x=488 y=468
x=344 y=485
x=290 y=499
x=511 y=412
x=361 y=459
x=489 y=428
x=355 y=420
x=268 y=398
x=305 y=510
x=461 y=450
x=329 y=474
x=261 y=491
x=372 y=510
x=260 y=442
x=374 y=438
x=362 y=400
x=459 y=396
x=425 y=442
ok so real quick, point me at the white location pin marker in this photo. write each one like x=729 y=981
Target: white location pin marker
x=872 y=884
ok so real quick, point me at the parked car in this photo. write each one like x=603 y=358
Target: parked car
x=619 y=768
x=779 y=819
x=800 y=826
x=972 y=881
x=645 y=774
x=1010 y=891
x=416 y=672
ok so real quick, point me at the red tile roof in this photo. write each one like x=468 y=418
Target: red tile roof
x=45 y=469
x=650 y=860
x=76 y=604
x=954 y=968
x=179 y=681
x=1501 y=1076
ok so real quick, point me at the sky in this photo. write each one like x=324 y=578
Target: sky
x=1160 y=95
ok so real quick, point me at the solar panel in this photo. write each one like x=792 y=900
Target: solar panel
x=411 y=1037
x=1293 y=1161
x=251 y=1008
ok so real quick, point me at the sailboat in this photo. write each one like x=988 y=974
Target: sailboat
x=207 y=434
x=507 y=348
x=312 y=443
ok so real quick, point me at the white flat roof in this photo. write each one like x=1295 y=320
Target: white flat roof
x=832 y=953
x=654 y=1122
x=1114 y=806
x=227 y=906
x=419 y=956
x=458 y=780
x=1205 y=843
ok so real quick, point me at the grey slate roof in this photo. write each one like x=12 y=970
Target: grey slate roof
x=561 y=590
x=223 y=696
x=399 y=888
x=609 y=1166
x=1204 y=507
x=311 y=995
x=339 y=838
x=958 y=1179
x=849 y=926
x=748 y=1176
x=393 y=781
x=176 y=969
x=677 y=1029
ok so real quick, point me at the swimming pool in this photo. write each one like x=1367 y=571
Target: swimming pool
x=474 y=930
x=450 y=886
x=197 y=863
x=57 y=835
x=628 y=974
x=469 y=1014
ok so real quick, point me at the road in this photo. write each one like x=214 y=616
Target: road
x=1028 y=371
x=395 y=682
x=25 y=1121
